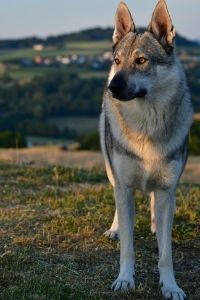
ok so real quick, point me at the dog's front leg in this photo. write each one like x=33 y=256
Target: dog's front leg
x=164 y=213
x=125 y=211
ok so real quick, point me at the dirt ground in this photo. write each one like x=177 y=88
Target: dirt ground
x=52 y=246
x=44 y=156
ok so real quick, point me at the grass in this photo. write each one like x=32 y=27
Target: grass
x=79 y=48
x=27 y=74
x=11 y=55
x=99 y=46
x=52 y=247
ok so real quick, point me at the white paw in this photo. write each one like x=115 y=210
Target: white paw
x=112 y=234
x=173 y=293
x=122 y=284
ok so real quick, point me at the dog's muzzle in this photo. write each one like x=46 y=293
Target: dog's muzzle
x=120 y=90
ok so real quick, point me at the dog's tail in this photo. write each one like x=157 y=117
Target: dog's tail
x=153 y=221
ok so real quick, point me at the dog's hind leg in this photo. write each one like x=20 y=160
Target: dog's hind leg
x=164 y=213
x=113 y=232
x=153 y=223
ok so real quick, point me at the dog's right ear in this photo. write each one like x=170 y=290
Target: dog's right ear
x=123 y=23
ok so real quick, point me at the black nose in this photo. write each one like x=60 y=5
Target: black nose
x=117 y=84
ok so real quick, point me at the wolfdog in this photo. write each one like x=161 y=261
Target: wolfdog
x=144 y=125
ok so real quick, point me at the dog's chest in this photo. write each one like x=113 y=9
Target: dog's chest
x=140 y=158
x=155 y=174
x=143 y=174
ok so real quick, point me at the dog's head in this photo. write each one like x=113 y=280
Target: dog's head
x=140 y=60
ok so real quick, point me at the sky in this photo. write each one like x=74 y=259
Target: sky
x=22 y=18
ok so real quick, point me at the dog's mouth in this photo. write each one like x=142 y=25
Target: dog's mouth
x=128 y=96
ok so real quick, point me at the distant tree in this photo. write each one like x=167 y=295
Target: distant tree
x=90 y=141
x=194 y=145
x=38 y=128
x=9 y=139
x=92 y=34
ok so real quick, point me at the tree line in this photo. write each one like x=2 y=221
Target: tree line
x=26 y=107
x=93 y=34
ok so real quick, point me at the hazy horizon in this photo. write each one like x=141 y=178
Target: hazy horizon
x=50 y=17
x=79 y=30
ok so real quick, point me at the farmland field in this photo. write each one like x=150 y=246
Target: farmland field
x=52 y=244
x=12 y=58
x=27 y=74
x=87 y=48
x=96 y=46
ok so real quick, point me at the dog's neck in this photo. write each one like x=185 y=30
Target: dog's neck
x=146 y=117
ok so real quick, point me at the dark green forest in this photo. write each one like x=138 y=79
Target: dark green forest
x=25 y=107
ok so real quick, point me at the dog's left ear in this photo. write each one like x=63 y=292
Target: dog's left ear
x=161 y=25
x=123 y=23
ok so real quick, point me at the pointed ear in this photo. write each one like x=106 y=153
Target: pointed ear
x=161 y=25
x=123 y=23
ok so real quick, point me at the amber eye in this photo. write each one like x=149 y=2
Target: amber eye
x=117 y=61
x=140 y=60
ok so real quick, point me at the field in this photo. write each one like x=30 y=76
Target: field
x=87 y=48
x=52 y=244
x=27 y=74
x=13 y=57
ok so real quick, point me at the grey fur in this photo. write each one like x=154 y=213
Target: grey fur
x=144 y=138
x=113 y=145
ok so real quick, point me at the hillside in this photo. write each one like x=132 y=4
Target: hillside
x=93 y=34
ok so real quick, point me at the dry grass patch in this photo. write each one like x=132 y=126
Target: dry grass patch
x=52 y=247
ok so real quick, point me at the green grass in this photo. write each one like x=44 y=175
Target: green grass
x=11 y=55
x=79 y=48
x=99 y=46
x=86 y=48
x=52 y=247
x=27 y=74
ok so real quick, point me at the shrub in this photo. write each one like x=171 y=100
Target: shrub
x=194 y=144
x=9 y=139
x=38 y=128
x=90 y=141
